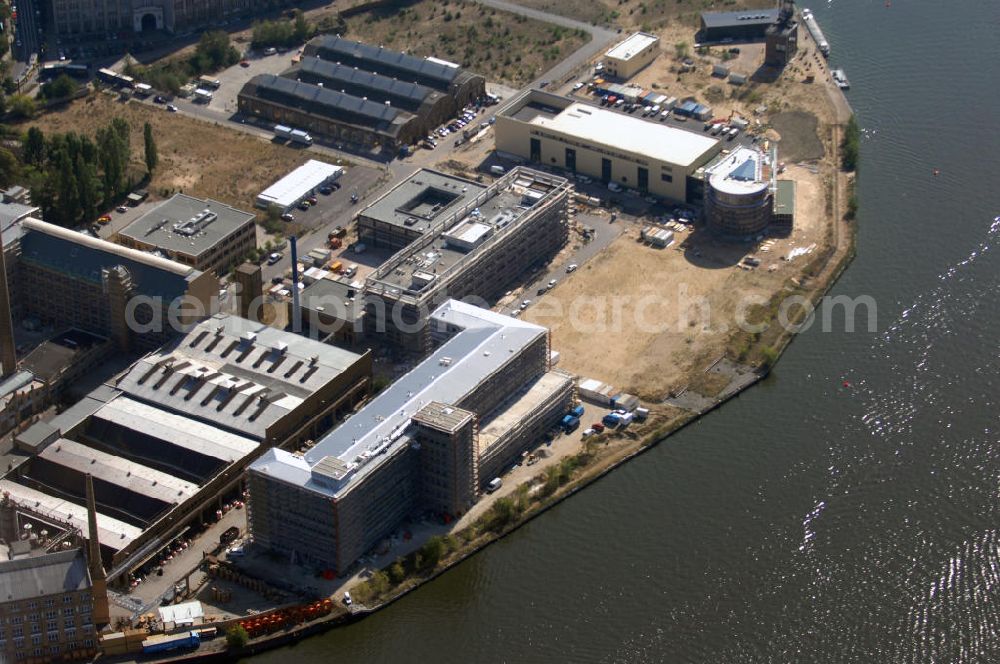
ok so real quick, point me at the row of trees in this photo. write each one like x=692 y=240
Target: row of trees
x=72 y=176
x=285 y=33
x=213 y=52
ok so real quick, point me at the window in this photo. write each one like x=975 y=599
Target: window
x=69 y=623
x=666 y=177
x=36 y=639
x=89 y=643
x=18 y=631
x=68 y=611
x=53 y=650
x=50 y=614
x=50 y=601
x=67 y=599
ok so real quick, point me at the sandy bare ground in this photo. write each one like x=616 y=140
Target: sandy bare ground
x=645 y=319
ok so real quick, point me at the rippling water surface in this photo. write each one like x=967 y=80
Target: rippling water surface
x=846 y=510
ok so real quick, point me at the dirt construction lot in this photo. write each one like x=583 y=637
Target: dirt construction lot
x=199 y=158
x=646 y=320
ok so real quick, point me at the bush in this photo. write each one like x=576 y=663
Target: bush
x=851 y=145
x=237 y=637
x=770 y=355
x=60 y=88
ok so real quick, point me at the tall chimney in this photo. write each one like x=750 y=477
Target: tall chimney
x=296 y=311
x=8 y=352
x=98 y=577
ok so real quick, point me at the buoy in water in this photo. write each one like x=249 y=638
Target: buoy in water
x=847 y=383
x=937 y=172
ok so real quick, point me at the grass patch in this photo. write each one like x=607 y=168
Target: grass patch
x=195 y=157
x=504 y=47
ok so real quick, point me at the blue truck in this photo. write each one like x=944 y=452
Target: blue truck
x=577 y=411
x=570 y=423
x=611 y=420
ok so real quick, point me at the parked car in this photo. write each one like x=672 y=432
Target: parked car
x=304 y=205
x=159 y=99
x=274 y=257
x=171 y=108
x=244 y=63
x=312 y=200
x=326 y=190
x=571 y=268
x=494 y=484
x=288 y=216
x=121 y=208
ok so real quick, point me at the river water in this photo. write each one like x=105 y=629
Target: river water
x=846 y=509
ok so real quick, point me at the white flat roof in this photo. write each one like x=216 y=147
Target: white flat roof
x=741 y=172
x=632 y=45
x=626 y=133
x=292 y=188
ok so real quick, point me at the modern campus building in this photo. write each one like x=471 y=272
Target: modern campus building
x=428 y=442
x=301 y=183
x=739 y=200
x=629 y=56
x=104 y=17
x=362 y=95
x=456 y=238
x=205 y=234
x=650 y=157
x=69 y=279
x=480 y=247
x=47 y=604
x=743 y=25
x=171 y=436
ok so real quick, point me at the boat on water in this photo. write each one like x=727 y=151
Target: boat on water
x=840 y=78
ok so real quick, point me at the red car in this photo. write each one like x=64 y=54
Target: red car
x=244 y=63
x=597 y=426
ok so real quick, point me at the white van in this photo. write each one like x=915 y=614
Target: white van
x=494 y=484
x=497 y=170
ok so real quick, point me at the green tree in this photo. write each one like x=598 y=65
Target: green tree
x=213 y=52
x=682 y=50
x=22 y=106
x=237 y=637
x=302 y=28
x=67 y=206
x=150 y=147
x=33 y=148
x=431 y=552
x=60 y=88
x=88 y=186
x=9 y=168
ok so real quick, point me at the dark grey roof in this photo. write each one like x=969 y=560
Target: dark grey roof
x=51 y=574
x=320 y=101
x=383 y=61
x=733 y=19
x=404 y=94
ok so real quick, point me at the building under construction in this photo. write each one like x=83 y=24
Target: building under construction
x=168 y=440
x=429 y=442
x=481 y=248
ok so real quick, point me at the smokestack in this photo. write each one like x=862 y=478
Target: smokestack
x=8 y=352
x=98 y=577
x=296 y=311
